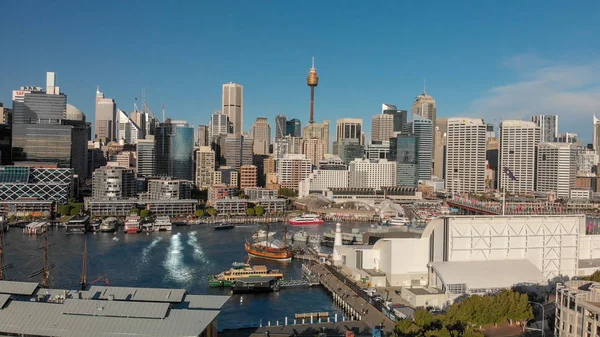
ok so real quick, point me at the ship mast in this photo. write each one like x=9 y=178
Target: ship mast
x=45 y=271
x=84 y=266
x=3 y=267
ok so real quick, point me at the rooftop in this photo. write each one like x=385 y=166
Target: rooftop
x=18 y=288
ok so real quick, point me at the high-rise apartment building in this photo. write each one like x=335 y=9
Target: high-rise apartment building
x=261 y=133
x=174 y=150
x=406 y=155
x=248 y=176
x=556 y=168
x=287 y=145
x=145 y=157
x=400 y=116
x=127 y=130
x=439 y=150
x=205 y=166
x=465 y=155
x=424 y=106
x=567 y=137
x=422 y=128
x=203 y=135
x=548 y=125
x=364 y=173
x=382 y=127
x=113 y=183
x=314 y=150
x=219 y=125
x=349 y=128
x=280 y=126
x=518 y=142
x=233 y=105
x=106 y=112
x=238 y=150
x=165 y=188
x=321 y=180
x=292 y=169
x=320 y=131
x=577 y=309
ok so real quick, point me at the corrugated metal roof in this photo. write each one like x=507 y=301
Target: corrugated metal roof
x=137 y=294
x=46 y=319
x=115 y=308
x=207 y=302
x=3 y=299
x=18 y=288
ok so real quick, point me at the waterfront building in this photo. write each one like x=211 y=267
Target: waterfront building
x=261 y=133
x=439 y=149
x=425 y=106
x=106 y=111
x=292 y=169
x=287 y=145
x=400 y=116
x=320 y=131
x=174 y=150
x=226 y=175
x=233 y=105
x=165 y=188
x=518 y=142
x=364 y=173
x=320 y=181
x=203 y=135
x=406 y=153
x=280 y=126
x=113 y=183
x=238 y=150
x=422 y=128
x=260 y=193
x=248 y=176
x=231 y=206
x=219 y=125
x=378 y=150
x=548 y=125
x=145 y=157
x=271 y=205
x=221 y=191
x=382 y=127
x=314 y=150
x=349 y=128
x=205 y=167
x=556 y=168
x=293 y=128
x=465 y=155
x=36 y=181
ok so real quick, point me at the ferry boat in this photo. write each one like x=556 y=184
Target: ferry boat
x=163 y=224
x=241 y=270
x=132 y=224
x=78 y=224
x=306 y=219
x=397 y=221
x=109 y=225
x=148 y=227
x=36 y=228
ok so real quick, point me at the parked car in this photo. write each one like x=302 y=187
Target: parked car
x=370 y=291
x=378 y=298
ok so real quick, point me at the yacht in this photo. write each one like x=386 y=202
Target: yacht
x=262 y=234
x=132 y=224
x=109 y=225
x=163 y=223
x=306 y=219
x=398 y=221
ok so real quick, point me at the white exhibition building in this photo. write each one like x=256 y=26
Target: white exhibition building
x=477 y=254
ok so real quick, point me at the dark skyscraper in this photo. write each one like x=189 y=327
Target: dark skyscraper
x=174 y=147
x=280 y=126
x=400 y=116
x=293 y=128
x=5 y=144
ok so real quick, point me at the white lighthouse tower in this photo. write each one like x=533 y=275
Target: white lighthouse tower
x=337 y=243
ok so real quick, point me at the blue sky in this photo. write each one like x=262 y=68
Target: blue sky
x=479 y=59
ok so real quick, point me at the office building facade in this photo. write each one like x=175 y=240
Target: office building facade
x=465 y=155
x=348 y=150
x=145 y=157
x=248 y=176
x=422 y=128
x=238 y=150
x=314 y=150
x=114 y=183
x=425 y=106
x=203 y=135
x=439 y=150
x=293 y=128
x=233 y=105
x=106 y=111
x=219 y=125
x=36 y=182
x=407 y=159
x=382 y=127
x=174 y=150
x=320 y=131
x=364 y=173
x=548 y=125
x=556 y=168
x=400 y=116
x=280 y=126
x=261 y=133
x=378 y=150
x=205 y=167
x=349 y=128
x=518 y=143
x=292 y=169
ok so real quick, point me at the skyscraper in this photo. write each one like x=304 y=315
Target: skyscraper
x=261 y=133
x=407 y=160
x=548 y=125
x=422 y=128
x=233 y=105
x=313 y=149
x=293 y=127
x=465 y=155
x=596 y=135
x=238 y=151
x=280 y=126
x=382 y=127
x=439 y=150
x=364 y=173
x=219 y=125
x=320 y=131
x=292 y=169
x=556 y=168
x=174 y=150
x=349 y=128
x=424 y=106
x=127 y=129
x=203 y=135
x=106 y=111
x=518 y=142
x=145 y=157
x=400 y=116
x=205 y=166
x=312 y=81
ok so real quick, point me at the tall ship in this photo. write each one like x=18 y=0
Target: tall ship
x=270 y=249
x=242 y=271
x=163 y=223
x=306 y=219
x=109 y=225
x=132 y=224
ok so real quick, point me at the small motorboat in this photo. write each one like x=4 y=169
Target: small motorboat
x=223 y=226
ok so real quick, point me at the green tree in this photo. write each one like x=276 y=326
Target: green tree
x=75 y=211
x=595 y=277
x=242 y=195
x=250 y=211
x=406 y=327
x=64 y=210
x=199 y=213
x=423 y=318
x=286 y=192
x=144 y=213
x=135 y=210
x=259 y=210
x=470 y=332
x=443 y=332
x=211 y=211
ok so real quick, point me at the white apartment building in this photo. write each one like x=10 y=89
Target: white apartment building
x=518 y=143
x=364 y=173
x=292 y=169
x=382 y=127
x=287 y=145
x=556 y=168
x=548 y=125
x=465 y=155
x=586 y=158
x=321 y=180
x=314 y=150
x=205 y=167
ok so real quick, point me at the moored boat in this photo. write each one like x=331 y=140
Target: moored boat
x=306 y=219
x=304 y=237
x=398 y=221
x=109 y=225
x=261 y=234
x=162 y=224
x=242 y=271
x=132 y=224
x=223 y=226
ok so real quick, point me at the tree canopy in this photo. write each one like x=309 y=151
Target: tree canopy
x=144 y=213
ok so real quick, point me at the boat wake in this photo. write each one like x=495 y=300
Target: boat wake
x=147 y=250
x=198 y=252
x=176 y=269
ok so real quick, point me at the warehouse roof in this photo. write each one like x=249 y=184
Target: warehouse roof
x=205 y=302
x=488 y=274
x=137 y=294
x=18 y=288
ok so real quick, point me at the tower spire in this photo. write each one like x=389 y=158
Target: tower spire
x=313 y=62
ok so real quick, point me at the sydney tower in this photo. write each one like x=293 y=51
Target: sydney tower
x=312 y=80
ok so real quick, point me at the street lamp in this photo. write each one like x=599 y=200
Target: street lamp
x=543 y=318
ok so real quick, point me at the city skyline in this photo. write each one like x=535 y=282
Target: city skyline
x=518 y=61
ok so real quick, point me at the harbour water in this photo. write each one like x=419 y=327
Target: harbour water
x=183 y=258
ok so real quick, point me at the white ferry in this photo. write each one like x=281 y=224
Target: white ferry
x=306 y=219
